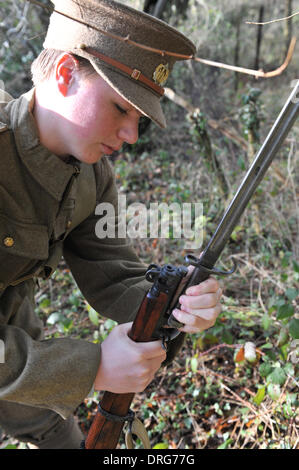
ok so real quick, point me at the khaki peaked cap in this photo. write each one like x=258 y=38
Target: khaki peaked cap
x=138 y=75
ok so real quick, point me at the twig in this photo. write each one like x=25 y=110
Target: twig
x=194 y=424
x=260 y=297
x=261 y=271
x=293 y=379
x=218 y=346
x=240 y=400
x=239 y=435
x=237 y=423
x=258 y=413
x=216 y=374
x=273 y=21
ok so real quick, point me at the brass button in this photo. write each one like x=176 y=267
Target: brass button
x=69 y=223
x=1 y=285
x=8 y=241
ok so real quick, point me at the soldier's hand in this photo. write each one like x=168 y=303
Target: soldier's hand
x=127 y=366
x=200 y=306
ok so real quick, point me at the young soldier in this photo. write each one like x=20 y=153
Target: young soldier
x=90 y=91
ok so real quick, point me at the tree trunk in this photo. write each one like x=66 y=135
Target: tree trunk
x=162 y=8
x=288 y=25
x=237 y=53
x=159 y=8
x=259 y=38
x=149 y=6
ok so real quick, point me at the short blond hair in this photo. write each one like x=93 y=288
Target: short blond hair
x=43 y=66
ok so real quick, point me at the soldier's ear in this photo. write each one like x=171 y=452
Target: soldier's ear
x=66 y=67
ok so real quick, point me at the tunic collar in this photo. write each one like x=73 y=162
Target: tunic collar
x=52 y=173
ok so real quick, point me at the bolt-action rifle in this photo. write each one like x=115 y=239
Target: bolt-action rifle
x=154 y=319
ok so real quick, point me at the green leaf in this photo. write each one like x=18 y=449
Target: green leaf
x=273 y=391
x=296 y=266
x=66 y=322
x=282 y=337
x=74 y=299
x=109 y=324
x=267 y=346
x=278 y=376
x=284 y=352
x=55 y=317
x=237 y=229
x=161 y=445
x=188 y=422
x=93 y=316
x=260 y=395
x=44 y=303
x=289 y=369
x=265 y=369
x=291 y=293
x=10 y=446
x=285 y=311
x=286 y=260
x=294 y=328
x=227 y=337
x=266 y=321
x=194 y=364
x=225 y=444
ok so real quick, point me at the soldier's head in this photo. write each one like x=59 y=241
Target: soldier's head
x=113 y=50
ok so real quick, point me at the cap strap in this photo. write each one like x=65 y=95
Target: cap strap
x=133 y=73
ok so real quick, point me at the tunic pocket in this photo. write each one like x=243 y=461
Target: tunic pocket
x=22 y=247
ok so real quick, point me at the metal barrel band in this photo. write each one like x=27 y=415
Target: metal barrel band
x=135 y=427
x=130 y=417
x=194 y=261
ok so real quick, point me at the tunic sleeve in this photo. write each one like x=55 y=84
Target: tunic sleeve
x=56 y=374
x=107 y=270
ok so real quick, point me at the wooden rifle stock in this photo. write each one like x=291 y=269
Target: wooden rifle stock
x=155 y=311
x=104 y=433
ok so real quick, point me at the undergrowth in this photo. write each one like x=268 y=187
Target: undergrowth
x=214 y=394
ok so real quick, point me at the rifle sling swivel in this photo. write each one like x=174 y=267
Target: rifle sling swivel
x=135 y=427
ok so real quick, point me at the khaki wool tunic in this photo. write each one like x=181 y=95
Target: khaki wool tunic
x=47 y=210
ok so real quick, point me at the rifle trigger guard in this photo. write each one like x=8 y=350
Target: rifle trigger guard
x=191 y=259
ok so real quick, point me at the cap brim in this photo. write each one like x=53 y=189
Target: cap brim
x=137 y=95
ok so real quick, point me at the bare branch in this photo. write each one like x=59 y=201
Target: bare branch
x=256 y=73
x=273 y=21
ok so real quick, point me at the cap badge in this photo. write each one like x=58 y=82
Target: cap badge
x=161 y=74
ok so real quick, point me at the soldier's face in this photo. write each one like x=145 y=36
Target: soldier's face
x=97 y=120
